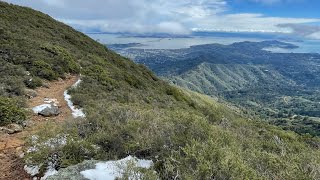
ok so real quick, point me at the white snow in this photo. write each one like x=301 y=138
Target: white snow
x=75 y=111
x=58 y=141
x=49 y=172
x=40 y=108
x=110 y=170
x=32 y=170
x=77 y=83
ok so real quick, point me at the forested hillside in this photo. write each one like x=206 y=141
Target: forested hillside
x=130 y=111
x=282 y=88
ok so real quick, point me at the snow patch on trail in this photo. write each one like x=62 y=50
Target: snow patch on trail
x=51 y=144
x=32 y=170
x=49 y=172
x=77 y=83
x=111 y=170
x=75 y=111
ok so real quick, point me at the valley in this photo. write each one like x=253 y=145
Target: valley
x=248 y=76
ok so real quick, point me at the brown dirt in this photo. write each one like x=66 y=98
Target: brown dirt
x=11 y=146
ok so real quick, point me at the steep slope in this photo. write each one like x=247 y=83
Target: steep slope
x=129 y=111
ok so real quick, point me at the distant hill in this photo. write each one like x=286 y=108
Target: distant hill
x=130 y=111
x=247 y=75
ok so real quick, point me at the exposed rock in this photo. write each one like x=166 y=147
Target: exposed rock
x=15 y=127
x=11 y=128
x=30 y=93
x=68 y=76
x=50 y=111
x=27 y=123
x=55 y=102
x=6 y=130
x=73 y=172
x=38 y=109
x=46 y=85
x=47 y=110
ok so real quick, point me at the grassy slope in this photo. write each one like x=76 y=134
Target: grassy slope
x=252 y=78
x=130 y=111
x=263 y=85
x=210 y=78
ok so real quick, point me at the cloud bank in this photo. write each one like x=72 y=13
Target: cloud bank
x=164 y=16
x=309 y=31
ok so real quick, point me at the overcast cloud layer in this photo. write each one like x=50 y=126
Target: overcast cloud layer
x=166 y=16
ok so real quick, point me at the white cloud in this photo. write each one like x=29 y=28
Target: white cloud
x=171 y=27
x=56 y=3
x=315 y=35
x=160 y=16
x=309 y=31
x=250 y=23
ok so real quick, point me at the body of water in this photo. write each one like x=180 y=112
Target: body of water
x=306 y=46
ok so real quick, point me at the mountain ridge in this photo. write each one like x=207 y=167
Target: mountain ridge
x=251 y=75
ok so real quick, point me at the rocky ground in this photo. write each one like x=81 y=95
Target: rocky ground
x=12 y=138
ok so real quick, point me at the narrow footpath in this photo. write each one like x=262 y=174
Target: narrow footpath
x=11 y=146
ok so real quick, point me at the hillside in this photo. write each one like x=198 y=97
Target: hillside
x=129 y=111
x=248 y=76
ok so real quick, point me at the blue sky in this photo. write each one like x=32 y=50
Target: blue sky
x=295 y=17
x=278 y=8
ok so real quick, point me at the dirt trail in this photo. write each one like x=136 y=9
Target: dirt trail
x=11 y=146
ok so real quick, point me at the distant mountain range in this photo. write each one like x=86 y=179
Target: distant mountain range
x=247 y=75
x=257 y=35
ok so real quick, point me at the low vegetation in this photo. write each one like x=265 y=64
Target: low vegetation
x=129 y=111
x=11 y=111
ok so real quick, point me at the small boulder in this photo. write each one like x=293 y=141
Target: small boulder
x=46 y=85
x=52 y=101
x=12 y=128
x=27 y=123
x=30 y=93
x=50 y=111
x=38 y=109
x=6 y=130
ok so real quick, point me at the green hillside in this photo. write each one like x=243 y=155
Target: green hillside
x=248 y=76
x=213 y=79
x=129 y=111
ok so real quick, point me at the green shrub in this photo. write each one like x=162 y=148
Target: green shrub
x=64 y=61
x=130 y=170
x=43 y=69
x=100 y=74
x=33 y=82
x=75 y=152
x=173 y=91
x=10 y=112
